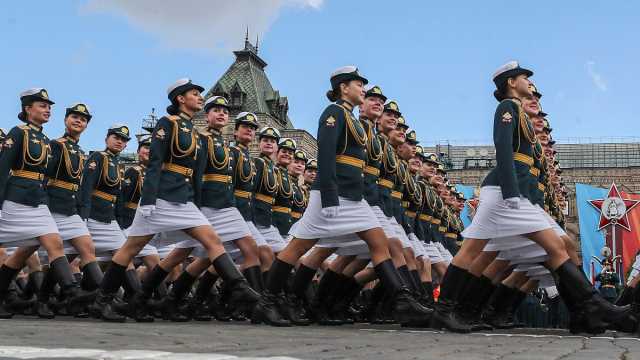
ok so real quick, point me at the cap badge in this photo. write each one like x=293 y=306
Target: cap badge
x=250 y=117
x=44 y=94
x=81 y=108
x=160 y=134
x=124 y=130
x=220 y=100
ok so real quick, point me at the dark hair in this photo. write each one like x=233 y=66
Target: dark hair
x=334 y=94
x=173 y=109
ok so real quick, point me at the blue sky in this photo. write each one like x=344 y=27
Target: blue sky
x=434 y=58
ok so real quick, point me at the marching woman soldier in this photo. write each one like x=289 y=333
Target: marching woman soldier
x=266 y=188
x=64 y=172
x=310 y=172
x=283 y=200
x=99 y=194
x=336 y=206
x=167 y=204
x=217 y=203
x=505 y=210
x=25 y=219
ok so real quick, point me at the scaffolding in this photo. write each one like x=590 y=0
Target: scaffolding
x=584 y=152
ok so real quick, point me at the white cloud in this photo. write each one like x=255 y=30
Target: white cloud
x=199 y=24
x=595 y=76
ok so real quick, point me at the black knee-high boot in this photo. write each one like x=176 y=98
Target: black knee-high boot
x=322 y=302
x=46 y=289
x=76 y=299
x=236 y=285
x=597 y=312
x=445 y=316
x=91 y=276
x=199 y=305
x=472 y=301
x=131 y=284
x=254 y=277
x=266 y=311
x=103 y=307
x=7 y=275
x=499 y=307
x=405 y=307
x=303 y=277
x=180 y=289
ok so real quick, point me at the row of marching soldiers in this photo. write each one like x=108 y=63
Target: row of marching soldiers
x=226 y=235
x=66 y=216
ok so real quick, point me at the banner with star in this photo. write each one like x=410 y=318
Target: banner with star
x=602 y=212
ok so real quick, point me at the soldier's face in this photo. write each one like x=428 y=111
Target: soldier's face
x=296 y=167
x=406 y=151
x=192 y=100
x=39 y=112
x=543 y=138
x=538 y=124
x=415 y=164
x=116 y=143
x=427 y=170
x=218 y=117
x=372 y=107
x=522 y=86
x=245 y=134
x=285 y=156
x=75 y=124
x=143 y=154
x=310 y=175
x=531 y=105
x=353 y=91
x=388 y=121
x=268 y=145
x=397 y=136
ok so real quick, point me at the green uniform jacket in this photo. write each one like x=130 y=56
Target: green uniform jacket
x=26 y=148
x=174 y=143
x=283 y=202
x=340 y=134
x=388 y=171
x=298 y=201
x=374 y=159
x=243 y=171
x=64 y=173
x=512 y=133
x=266 y=187
x=215 y=170
x=130 y=195
x=423 y=224
x=100 y=188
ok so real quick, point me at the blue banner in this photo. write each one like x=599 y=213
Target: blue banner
x=468 y=194
x=591 y=240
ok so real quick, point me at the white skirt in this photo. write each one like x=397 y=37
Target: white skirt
x=228 y=224
x=272 y=237
x=167 y=217
x=418 y=245
x=433 y=253
x=257 y=236
x=558 y=230
x=21 y=225
x=531 y=251
x=389 y=230
x=70 y=227
x=107 y=237
x=353 y=217
x=507 y=243
x=400 y=234
x=446 y=254
x=494 y=219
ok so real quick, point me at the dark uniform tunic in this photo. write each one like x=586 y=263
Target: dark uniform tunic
x=214 y=170
x=341 y=155
x=23 y=165
x=388 y=171
x=130 y=195
x=299 y=200
x=243 y=173
x=266 y=187
x=425 y=217
x=64 y=173
x=174 y=147
x=514 y=139
x=283 y=202
x=100 y=188
x=398 y=206
x=372 y=167
x=411 y=201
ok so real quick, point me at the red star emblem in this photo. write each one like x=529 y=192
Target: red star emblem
x=614 y=209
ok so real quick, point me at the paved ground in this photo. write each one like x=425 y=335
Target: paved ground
x=24 y=338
